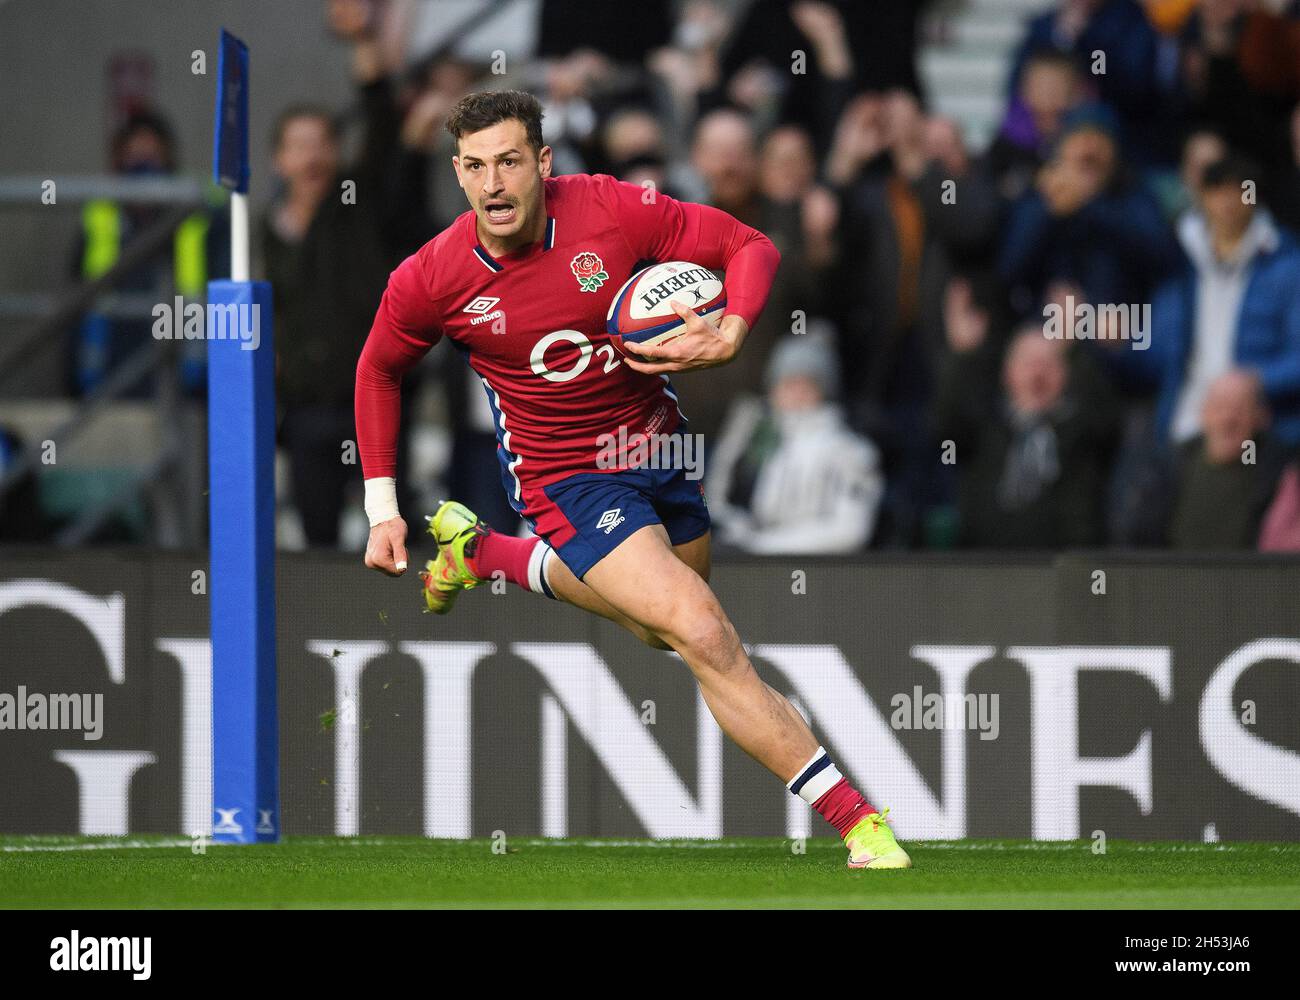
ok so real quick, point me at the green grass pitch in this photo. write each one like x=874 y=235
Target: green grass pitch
x=82 y=872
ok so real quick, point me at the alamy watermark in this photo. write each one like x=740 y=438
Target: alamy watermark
x=59 y=712
x=75 y=953
x=1100 y=321
x=178 y=320
x=917 y=710
x=651 y=451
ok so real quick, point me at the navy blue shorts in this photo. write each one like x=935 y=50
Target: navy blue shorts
x=585 y=517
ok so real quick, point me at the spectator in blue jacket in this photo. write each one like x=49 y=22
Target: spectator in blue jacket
x=1085 y=221
x=1234 y=307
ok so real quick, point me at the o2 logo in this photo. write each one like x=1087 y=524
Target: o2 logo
x=579 y=340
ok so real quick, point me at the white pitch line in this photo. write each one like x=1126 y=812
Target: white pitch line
x=940 y=845
x=702 y=845
x=379 y=841
x=111 y=846
x=1086 y=845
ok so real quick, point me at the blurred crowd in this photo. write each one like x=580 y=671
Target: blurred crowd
x=1085 y=334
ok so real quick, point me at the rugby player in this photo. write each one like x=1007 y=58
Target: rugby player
x=521 y=285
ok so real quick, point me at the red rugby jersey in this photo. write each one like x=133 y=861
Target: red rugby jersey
x=532 y=324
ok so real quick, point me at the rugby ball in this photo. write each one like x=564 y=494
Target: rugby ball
x=642 y=312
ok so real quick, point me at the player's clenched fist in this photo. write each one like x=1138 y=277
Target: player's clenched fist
x=386 y=550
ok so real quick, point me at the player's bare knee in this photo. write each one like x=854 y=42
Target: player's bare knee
x=706 y=638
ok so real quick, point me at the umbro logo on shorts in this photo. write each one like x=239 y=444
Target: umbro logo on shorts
x=611 y=519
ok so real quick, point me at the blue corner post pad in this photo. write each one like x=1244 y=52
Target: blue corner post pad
x=241 y=494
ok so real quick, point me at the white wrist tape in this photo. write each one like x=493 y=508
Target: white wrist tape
x=381 y=500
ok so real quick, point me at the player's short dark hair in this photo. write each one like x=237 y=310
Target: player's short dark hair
x=475 y=112
x=296 y=111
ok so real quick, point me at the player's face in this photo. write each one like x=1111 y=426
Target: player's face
x=502 y=178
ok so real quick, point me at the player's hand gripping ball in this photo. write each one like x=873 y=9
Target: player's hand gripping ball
x=642 y=313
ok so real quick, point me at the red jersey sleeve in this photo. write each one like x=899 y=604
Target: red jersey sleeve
x=406 y=326
x=661 y=228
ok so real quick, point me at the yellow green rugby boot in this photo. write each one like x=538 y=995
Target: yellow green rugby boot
x=457 y=530
x=871 y=844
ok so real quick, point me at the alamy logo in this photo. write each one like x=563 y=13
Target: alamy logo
x=611 y=519
x=651 y=451
x=102 y=954
x=918 y=710
x=59 y=712
x=1102 y=321
x=177 y=320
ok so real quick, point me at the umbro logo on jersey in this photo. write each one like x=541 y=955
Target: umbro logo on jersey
x=484 y=309
x=611 y=519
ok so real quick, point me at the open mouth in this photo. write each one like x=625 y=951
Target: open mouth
x=500 y=213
